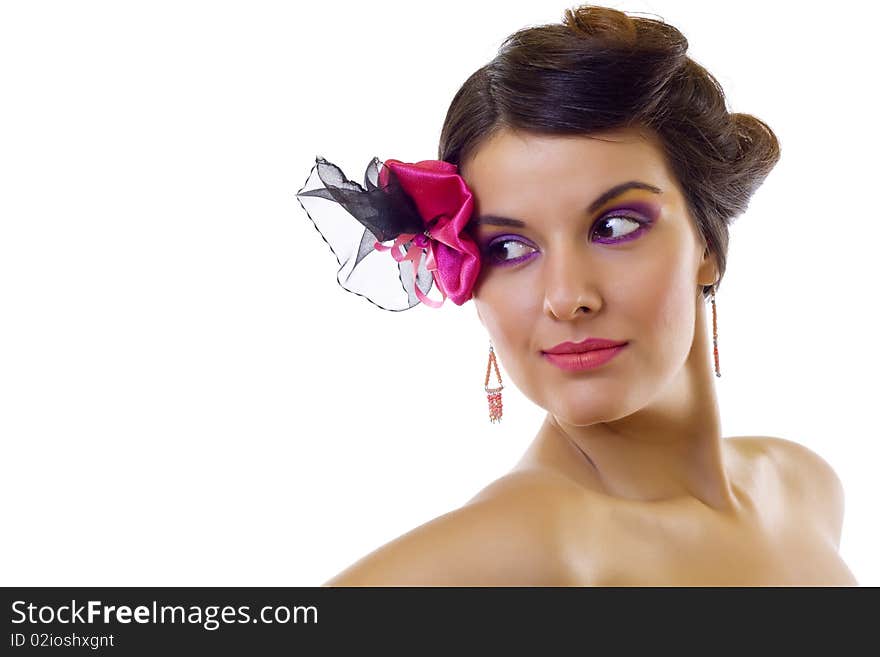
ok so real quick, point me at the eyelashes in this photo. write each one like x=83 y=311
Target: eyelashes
x=618 y=226
x=489 y=252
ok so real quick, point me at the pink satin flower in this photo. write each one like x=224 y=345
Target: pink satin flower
x=445 y=204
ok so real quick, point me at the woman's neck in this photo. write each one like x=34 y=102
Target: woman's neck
x=671 y=448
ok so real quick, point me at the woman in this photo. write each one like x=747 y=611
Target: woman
x=598 y=170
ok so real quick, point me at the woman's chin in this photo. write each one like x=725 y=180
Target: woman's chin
x=581 y=414
x=588 y=407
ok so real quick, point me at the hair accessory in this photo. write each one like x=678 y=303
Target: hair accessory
x=423 y=207
x=493 y=394
x=715 y=334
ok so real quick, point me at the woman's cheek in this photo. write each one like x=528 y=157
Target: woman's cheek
x=671 y=312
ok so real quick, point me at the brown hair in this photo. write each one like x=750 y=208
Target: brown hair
x=600 y=70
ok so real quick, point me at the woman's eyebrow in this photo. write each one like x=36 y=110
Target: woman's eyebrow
x=603 y=198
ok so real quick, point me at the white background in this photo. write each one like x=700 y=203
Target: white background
x=187 y=397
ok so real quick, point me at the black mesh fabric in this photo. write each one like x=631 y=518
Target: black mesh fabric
x=351 y=218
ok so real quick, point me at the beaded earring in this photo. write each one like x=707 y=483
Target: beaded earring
x=715 y=333
x=493 y=394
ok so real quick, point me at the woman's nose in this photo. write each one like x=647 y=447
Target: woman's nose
x=570 y=282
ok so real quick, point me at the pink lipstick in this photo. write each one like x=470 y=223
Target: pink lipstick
x=584 y=355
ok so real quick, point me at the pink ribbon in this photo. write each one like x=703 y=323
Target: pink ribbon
x=415 y=256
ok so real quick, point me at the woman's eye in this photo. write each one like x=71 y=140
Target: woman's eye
x=506 y=250
x=622 y=224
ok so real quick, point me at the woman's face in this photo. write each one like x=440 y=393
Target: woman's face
x=627 y=268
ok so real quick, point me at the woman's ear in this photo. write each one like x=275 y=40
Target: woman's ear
x=707 y=274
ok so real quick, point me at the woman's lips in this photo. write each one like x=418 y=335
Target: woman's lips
x=584 y=360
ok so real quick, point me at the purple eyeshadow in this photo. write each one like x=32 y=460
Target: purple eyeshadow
x=649 y=211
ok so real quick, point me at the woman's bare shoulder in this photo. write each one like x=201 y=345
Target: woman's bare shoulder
x=531 y=486
x=809 y=478
x=506 y=535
